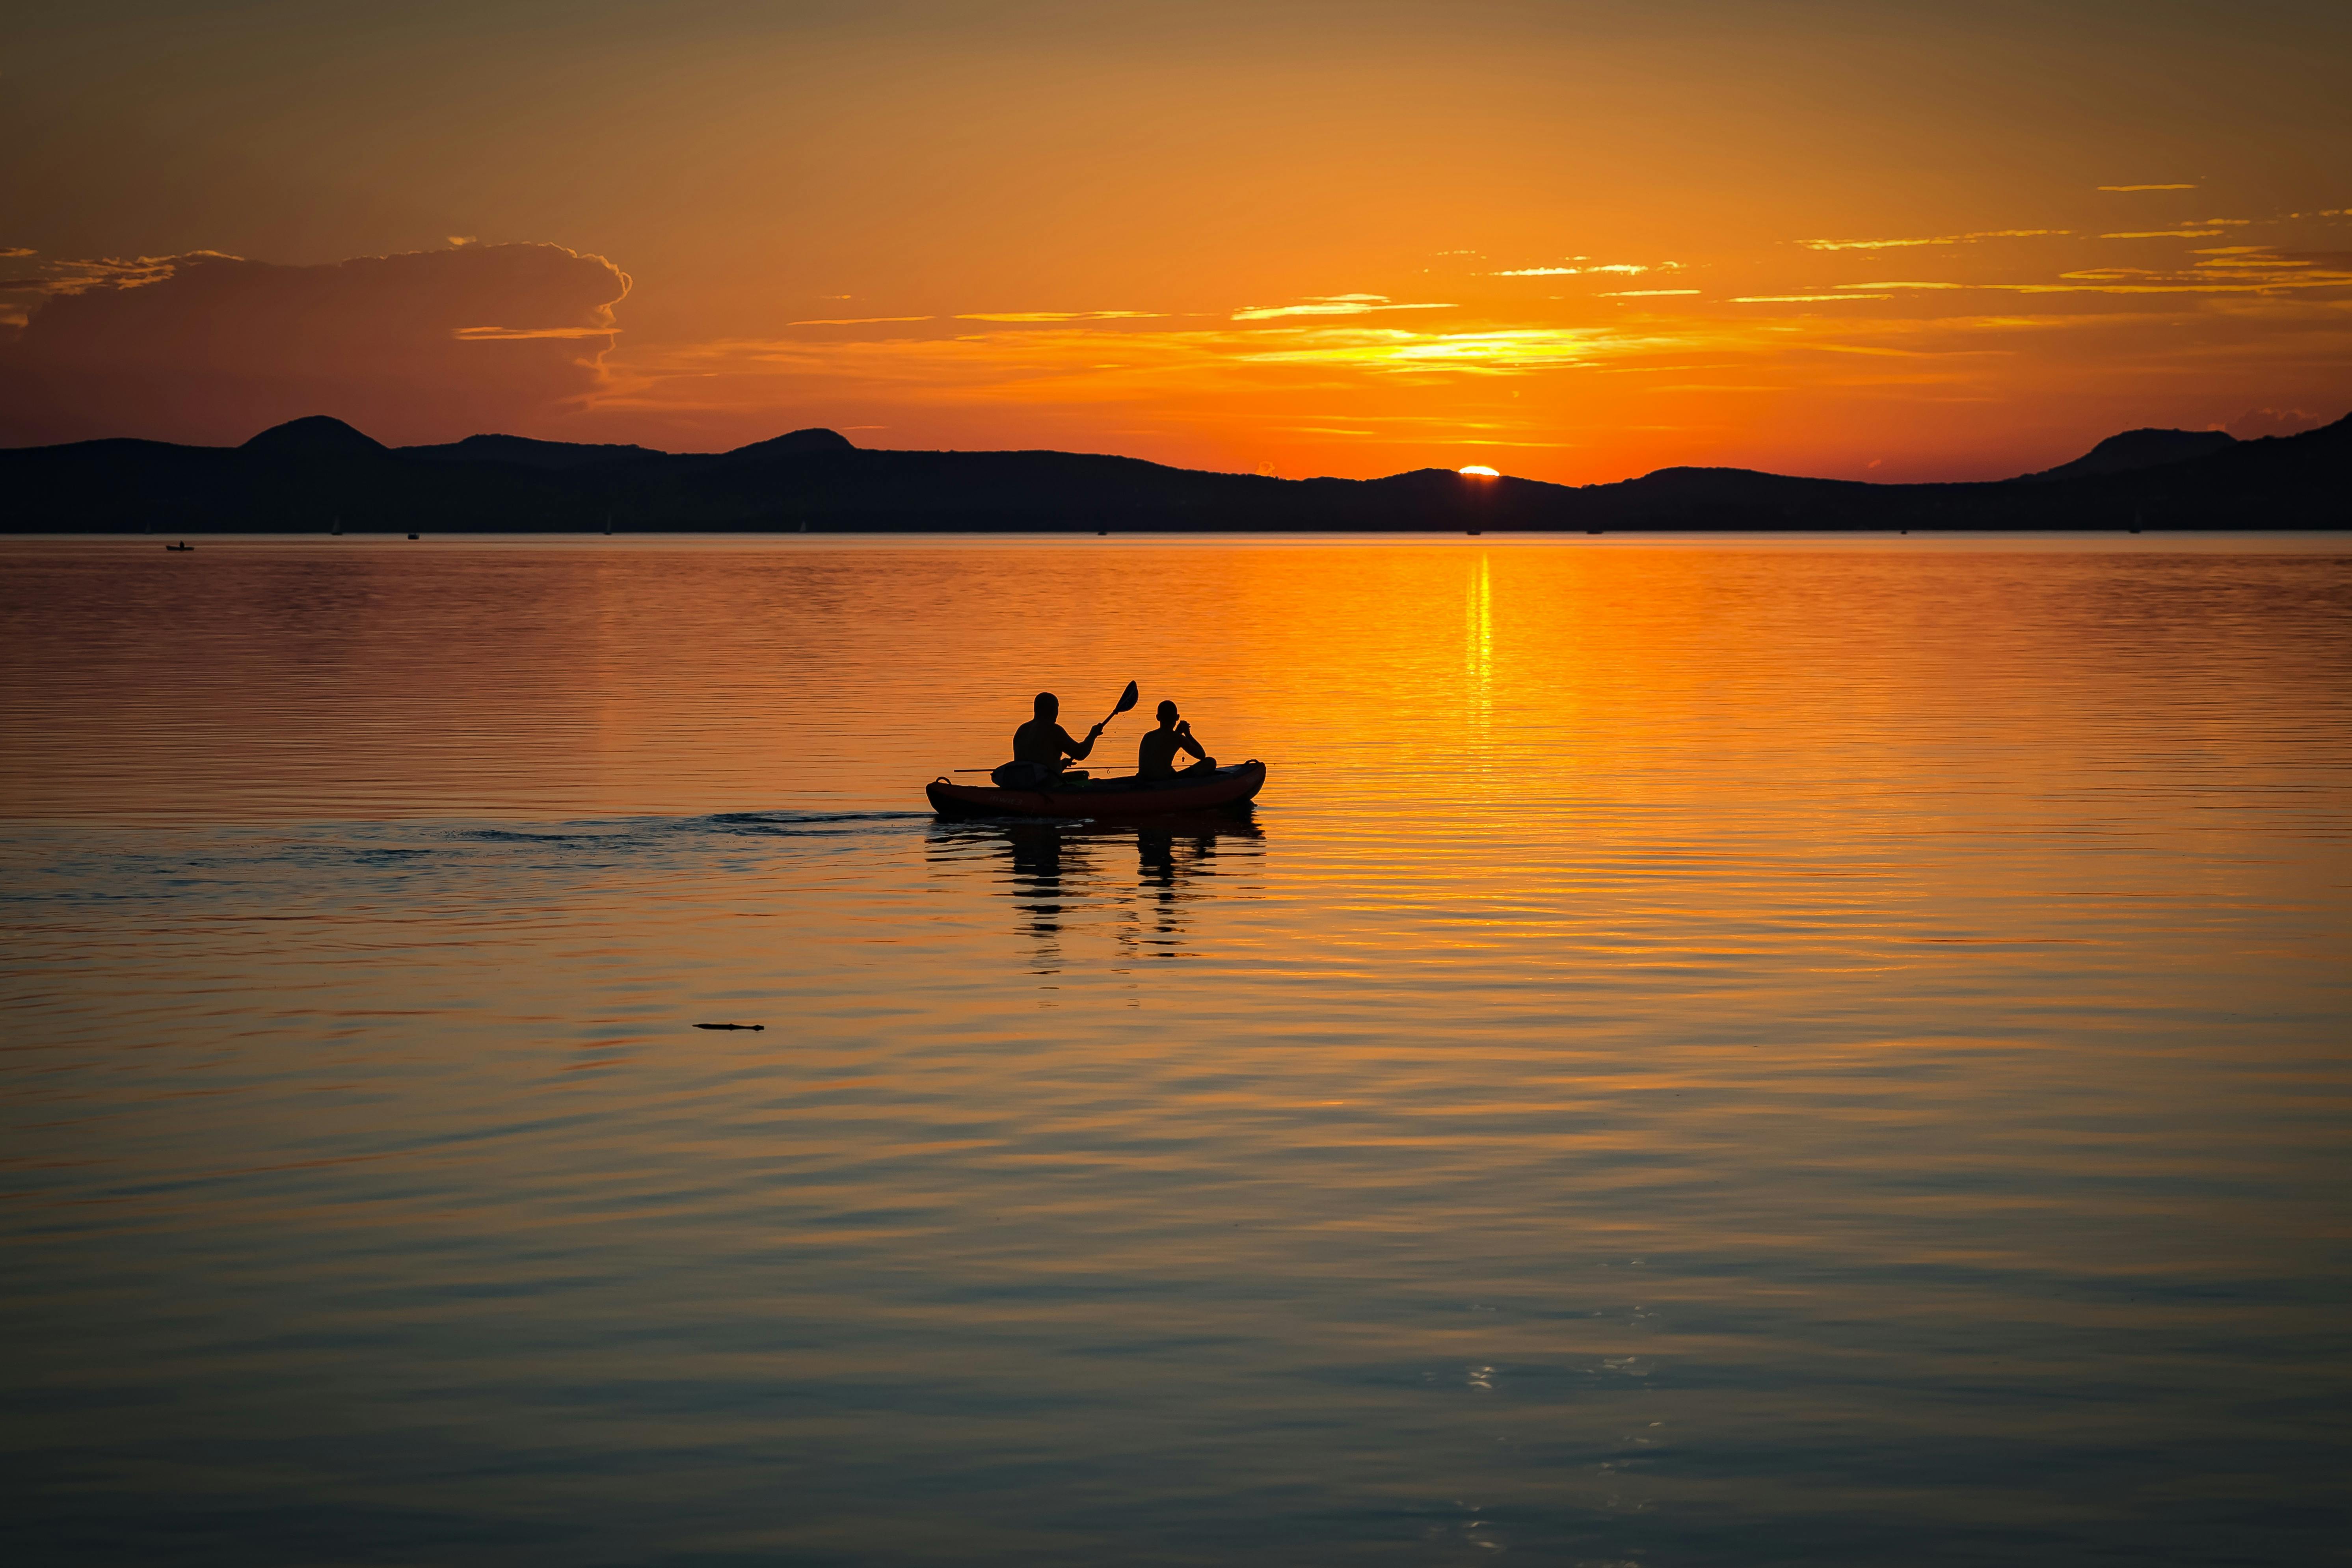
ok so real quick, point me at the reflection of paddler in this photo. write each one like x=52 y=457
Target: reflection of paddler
x=1155 y=755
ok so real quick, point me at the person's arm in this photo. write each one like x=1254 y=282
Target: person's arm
x=1078 y=749
x=1184 y=739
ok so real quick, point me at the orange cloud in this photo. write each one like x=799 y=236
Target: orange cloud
x=1064 y=316
x=209 y=348
x=1329 y=305
x=1938 y=239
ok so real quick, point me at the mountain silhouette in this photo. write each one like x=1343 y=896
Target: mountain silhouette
x=813 y=440
x=524 y=452
x=2137 y=450
x=318 y=435
x=304 y=476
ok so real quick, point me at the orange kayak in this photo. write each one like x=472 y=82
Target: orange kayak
x=1107 y=798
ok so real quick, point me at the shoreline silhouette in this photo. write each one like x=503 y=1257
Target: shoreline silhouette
x=318 y=475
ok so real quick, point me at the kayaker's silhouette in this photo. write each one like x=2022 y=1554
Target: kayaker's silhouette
x=1043 y=750
x=1155 y=755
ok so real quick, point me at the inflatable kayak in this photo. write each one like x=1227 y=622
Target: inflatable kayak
x=1104 y=798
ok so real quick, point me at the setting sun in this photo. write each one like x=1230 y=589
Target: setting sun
x=1479 y=471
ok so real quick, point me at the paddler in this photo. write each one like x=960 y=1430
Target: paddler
x=1155 y=755
x=1040 y=746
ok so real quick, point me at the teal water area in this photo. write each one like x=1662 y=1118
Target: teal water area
x=1825 y=1053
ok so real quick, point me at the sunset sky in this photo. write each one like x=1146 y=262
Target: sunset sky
x=1573 y=241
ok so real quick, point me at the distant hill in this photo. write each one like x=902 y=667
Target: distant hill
x=2136 y=450
x=524 y=452
x=311 y=473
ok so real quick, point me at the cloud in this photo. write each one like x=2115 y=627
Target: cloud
x=1646 y=293
x=2166 y=234
x=210 y=348
x=10 y=252
x=1801 y=298
x=1938 y=239
x=1501 y=352
x=66 y=279
x=2259 y=422
x=2147 y=187
x=1626 y=268
x=1329 y=305
x=2224 y=269
x=1064 y=316
x=1078 y=365
x=859 y=320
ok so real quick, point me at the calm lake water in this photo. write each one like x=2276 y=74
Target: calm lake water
x=1706 y=1053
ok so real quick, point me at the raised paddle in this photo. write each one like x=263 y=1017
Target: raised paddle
x=1126 y=700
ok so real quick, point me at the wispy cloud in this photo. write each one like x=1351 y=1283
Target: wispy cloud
x=522 y=334
x=1801 y=298
x=1077 y=363
x=1936 y=239
x=1864 y=286
x=859 y=320
x=66 y=279
x=11 y=252
x=1626 y=269
x=1330 y=305
x=1646 y=293
x=2165 y=234
x=1064 y=316
x=1503 y=351
x=2147 y=187
x=2224 y=269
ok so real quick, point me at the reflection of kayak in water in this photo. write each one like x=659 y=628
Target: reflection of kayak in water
x=1234 y=785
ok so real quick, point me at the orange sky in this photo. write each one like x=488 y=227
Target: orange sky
x=1572 y=241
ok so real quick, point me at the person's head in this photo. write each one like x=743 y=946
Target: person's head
x=1049 y=707
x=1167 y=713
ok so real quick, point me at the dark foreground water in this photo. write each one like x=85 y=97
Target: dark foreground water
x=1706 y=1054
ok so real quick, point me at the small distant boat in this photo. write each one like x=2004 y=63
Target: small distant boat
x=1108 y=798
x=184 y=545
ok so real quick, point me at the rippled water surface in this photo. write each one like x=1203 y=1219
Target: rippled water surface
x=1706 y=1053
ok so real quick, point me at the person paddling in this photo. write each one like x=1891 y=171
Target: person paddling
x=1155 y=756
x=1040 y=747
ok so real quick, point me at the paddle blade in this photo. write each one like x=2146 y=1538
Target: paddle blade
x=1126 y=700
